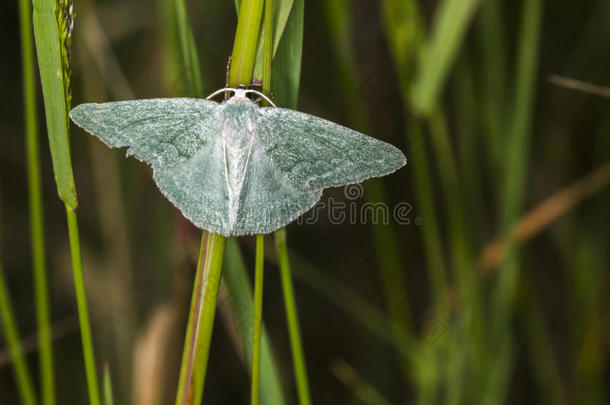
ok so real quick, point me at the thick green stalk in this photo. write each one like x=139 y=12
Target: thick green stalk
x=45 y=351
x=201 y=320
x=22 y=374
x=246 y=39
x=298 y=358
x=258 y=319
x=83 y=311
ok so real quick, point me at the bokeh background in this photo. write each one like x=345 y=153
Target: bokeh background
x=440 y=307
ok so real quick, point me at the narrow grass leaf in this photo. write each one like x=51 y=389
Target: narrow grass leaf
x=286 y=69
x=238 y=285
x=296 y=344
x=281 y=13
x=257 y=319
x=37 y=239
x=25 y=383
x=188 y=51
x=50 y=41
x=438 y=53
x=388 y=259
x=53 y=23
x=108 y=396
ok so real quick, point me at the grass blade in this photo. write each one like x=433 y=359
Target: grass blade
x=389 y=263
x=514 y=181
x=286 y=69
x=190 y=60
x=268 y=46
x=281 y=11
x=108 y=396
x=238 y=286
x=438 y=54
x=258 y=319
x=53 y=23
x=286 y=72
x=45 y=352
x=83 y=311
x=22 y=374
x=49 y=43
x=296 y=345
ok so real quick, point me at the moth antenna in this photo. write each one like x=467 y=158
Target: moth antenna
x=217 y=92
x=262 y=95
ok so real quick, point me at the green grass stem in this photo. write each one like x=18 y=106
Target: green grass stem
x=198 y=337
x=83 y=311
x=513 y=191
x=246 y=40
x=237 y=282
x=258 y=319
x=25 y=384
x=37 y=240
x=296 y=345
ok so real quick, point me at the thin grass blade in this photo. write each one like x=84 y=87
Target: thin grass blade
x=438 y=54
x=37 y=239
x=238 y=285
x=25 y=383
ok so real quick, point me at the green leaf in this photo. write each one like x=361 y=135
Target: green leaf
x=50 y=46
x=280 y=20
x=286 y=69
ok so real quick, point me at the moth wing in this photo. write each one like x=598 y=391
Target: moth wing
x=314 y=153
x=198 y=187
x=160 y=132
x=177 y=137
x=267 y=200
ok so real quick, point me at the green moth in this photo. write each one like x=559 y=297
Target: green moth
x=235 y=168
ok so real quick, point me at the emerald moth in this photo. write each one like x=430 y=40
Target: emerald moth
x=235 y=168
